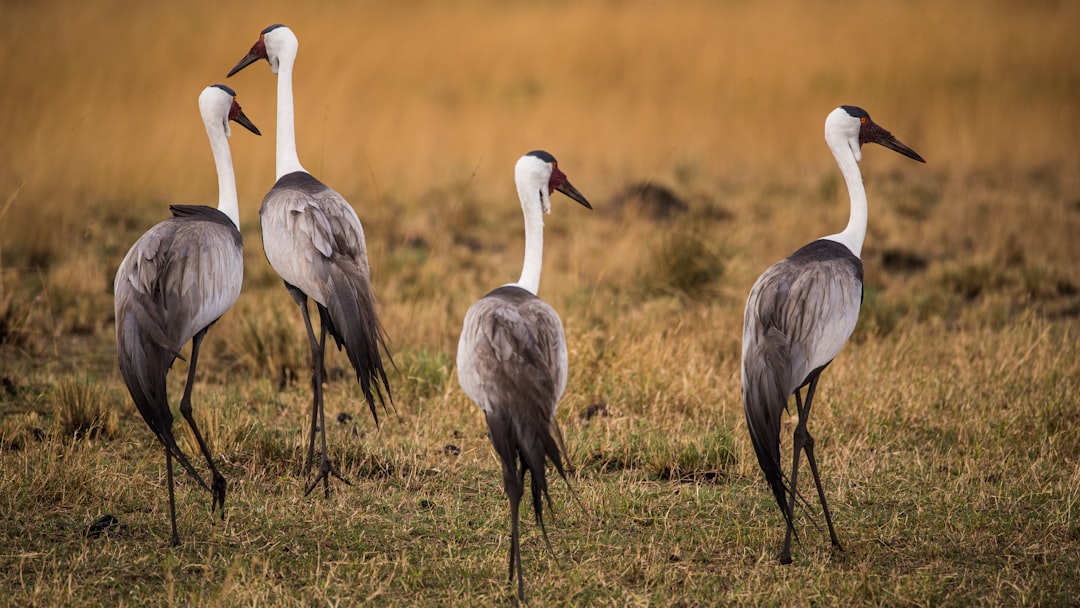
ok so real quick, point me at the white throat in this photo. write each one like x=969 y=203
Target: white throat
x=847 y=153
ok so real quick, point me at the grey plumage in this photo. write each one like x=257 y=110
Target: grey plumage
x=512 y=360
x=173 y=284
x=314 y=240
x=799 y=314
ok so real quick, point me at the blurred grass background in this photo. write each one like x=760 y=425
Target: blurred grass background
x=395 y=100
x=695 y=128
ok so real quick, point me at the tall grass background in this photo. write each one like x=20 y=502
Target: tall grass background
x=944 y=426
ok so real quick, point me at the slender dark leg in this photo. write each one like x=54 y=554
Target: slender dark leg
x=515 y=487
x=797 y=446
x=326 y=468
x=218 y=486
x=172 y=498
x=318 y=417
x=809 y=446
x=316 y=373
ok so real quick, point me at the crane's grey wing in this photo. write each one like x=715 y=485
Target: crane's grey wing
x=205 y=271
x=314 y=241
x=812 y=299
x=512 y=351
x=305 y=225
x=345 y=227
x=177 y=279
x=144 y=349
x=832 y=293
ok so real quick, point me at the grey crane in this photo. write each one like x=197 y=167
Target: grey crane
x=798 y=316
x=173 y=284
x=512 y=361
x=313 y=239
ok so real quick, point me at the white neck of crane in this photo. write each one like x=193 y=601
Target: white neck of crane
x=848 y=154
x=287 y=160
x=532 y=208
x=219 y=145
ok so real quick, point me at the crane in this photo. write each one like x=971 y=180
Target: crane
x=313 y=239
x=512 y=360
x=798 y=316
x=173 y=284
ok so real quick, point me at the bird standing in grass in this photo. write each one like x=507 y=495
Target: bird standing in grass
x=313 y=239
x=798 y=316
x=173 y=284
x=512 y=361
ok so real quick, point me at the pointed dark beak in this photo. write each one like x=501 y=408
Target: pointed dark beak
x=894 y=144
x=569 y=190
x=236 y=114
x=257 y=52
x=873 y=133
x=245 y=122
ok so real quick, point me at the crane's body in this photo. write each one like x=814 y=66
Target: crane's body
x=313 y=239
x=800 y=313
x=173 y=284
x=512 y=358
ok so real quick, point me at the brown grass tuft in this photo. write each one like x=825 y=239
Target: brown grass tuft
x=85 y=409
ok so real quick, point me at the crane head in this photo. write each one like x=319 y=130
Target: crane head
x=236 y=114
x=218 y=103
x=852 y=117
x=272 y=42
x=538 y=169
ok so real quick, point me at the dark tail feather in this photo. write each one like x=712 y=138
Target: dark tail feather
x=144 y=365
x=351 y=320
x=522 y=441
x=530 y=442
x=533 y=452
x=764 y=399
x=503 y=439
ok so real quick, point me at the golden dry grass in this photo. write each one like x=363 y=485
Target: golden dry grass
x=945 y=427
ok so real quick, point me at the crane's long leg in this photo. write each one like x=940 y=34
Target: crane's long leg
x=797 y=446
x=515 y=488
x=318 y=416
x=809 y=447
x=326 y=467
x=316 y=373
x=172 y=498
x=219 y=485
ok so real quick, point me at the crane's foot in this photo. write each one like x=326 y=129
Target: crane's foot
x=785 y=553
x=217 y=489
x=326 y=469
x=838 y=552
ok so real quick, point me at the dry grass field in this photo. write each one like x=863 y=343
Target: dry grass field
x=947 y=428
